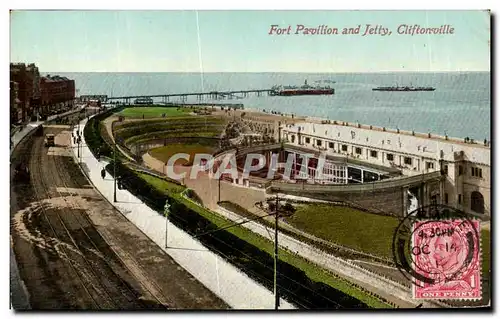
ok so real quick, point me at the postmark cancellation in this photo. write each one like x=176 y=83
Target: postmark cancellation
x=438 y=249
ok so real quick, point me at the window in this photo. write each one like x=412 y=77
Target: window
x=477 y=172
x=460 y=198
x=390 y=157
x=477 y=202
x=318 y=142
x=358 y=150
x=344 y=148
x=434 y=200
x=446 y=198
x=373 y=153
x=308 y=140
x=429 y=165
x=460 y=170
x=408 y=160
x=330 y=144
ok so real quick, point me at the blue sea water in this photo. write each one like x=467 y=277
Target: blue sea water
x=460 y=106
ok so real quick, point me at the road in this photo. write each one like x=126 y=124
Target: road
x=75 y=251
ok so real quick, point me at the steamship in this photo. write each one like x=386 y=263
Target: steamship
x=404 y=88
x=305 y=89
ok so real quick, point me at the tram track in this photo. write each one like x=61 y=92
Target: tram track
x=36 y=174
x=130 y=294
x=75 y=251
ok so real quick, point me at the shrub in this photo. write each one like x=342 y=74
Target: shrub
x=92 y=134
x=288 y=209
x=191 y=194
x=294 y=284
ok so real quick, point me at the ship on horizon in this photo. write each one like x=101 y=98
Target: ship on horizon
x=404 y=88
x=306 y=89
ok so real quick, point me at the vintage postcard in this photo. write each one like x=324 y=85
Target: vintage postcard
x=198 y=160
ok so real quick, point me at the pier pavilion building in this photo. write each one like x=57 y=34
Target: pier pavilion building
x=373 y=153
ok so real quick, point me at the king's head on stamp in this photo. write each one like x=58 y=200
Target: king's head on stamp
x=446 y=252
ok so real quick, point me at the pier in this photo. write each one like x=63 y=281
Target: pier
x=200 y=96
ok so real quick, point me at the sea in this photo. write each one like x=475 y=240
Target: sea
x=459 y=107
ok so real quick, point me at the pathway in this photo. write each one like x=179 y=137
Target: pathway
x=228 y=282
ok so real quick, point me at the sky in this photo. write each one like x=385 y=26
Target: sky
x=239 y=41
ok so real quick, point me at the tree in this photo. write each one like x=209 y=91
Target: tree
x=289 y=208
x=272 y=206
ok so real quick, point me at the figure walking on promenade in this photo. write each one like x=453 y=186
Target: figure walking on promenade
x=103 y=173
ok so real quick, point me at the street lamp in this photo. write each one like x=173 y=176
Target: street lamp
x=166 y=211
x=114 y=173
x=79 y=152
x=276 y=293
x=220 y=177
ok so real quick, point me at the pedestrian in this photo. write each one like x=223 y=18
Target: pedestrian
x=103 y=173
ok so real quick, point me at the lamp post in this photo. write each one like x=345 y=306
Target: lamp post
x=219 y=187
x=114 y=172
x=276 y=294
x=80 y=151
x=275 y=213
x=78 y=146
x=78 y=135
x=166 y=211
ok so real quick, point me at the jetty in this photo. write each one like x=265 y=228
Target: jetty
x=212 y=95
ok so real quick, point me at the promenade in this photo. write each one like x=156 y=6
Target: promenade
x=228 y=282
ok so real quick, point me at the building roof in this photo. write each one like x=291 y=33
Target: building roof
x=55 y=78
x=392 y=141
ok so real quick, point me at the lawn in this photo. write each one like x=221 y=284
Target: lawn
x=152 y=111
x=164 y=135
x=314 y=272
x=165 y=152
x=359 y=230
x=346 y=226
x=166 y=186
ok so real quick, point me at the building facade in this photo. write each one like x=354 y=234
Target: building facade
x=27 y=78
x=464 y=165
x=57 y=93
x=15 y=110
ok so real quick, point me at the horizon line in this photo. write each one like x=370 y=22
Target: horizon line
x=305 y=72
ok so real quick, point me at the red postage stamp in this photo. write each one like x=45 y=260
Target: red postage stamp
x=446 y=256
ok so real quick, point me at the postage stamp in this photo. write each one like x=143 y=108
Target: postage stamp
x=438 y=249
x=446 y=252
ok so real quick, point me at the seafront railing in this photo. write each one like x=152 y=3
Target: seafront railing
x=396 y=182
x=429 y=135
